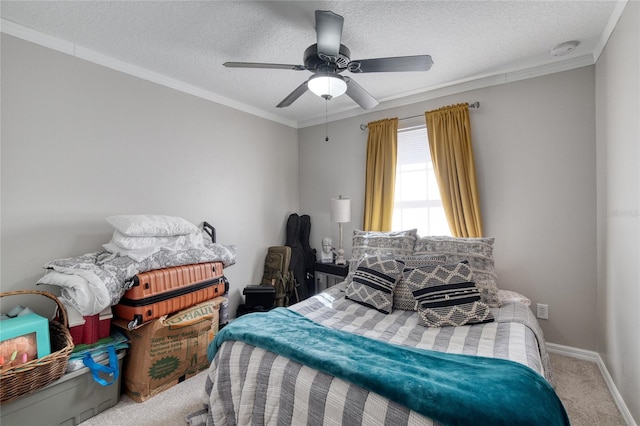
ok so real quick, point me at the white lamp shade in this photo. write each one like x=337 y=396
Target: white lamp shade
x=327 y=85
x=340 y=210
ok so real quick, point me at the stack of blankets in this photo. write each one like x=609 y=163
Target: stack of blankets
x=95 y=281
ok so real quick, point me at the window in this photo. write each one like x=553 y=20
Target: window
x=417 y=198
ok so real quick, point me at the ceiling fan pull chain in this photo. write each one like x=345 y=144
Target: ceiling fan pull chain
x=326 y=121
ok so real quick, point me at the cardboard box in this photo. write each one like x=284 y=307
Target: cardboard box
x=166 y=351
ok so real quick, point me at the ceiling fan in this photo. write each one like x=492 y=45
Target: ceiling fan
x=328 y=58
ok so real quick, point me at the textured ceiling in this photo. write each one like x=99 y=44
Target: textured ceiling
x=187 y=42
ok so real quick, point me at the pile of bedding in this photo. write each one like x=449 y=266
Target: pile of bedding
x=94 y=281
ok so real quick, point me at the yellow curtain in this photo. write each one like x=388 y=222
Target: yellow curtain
x=380 y=181
x=449 y=133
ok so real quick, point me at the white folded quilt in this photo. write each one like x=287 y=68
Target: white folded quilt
x=80 y=288
x=94 y=281
x=140 y=248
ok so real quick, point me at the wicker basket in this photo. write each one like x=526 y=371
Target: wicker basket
x=33 y=375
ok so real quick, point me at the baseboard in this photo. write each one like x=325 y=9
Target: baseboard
x=592 y=356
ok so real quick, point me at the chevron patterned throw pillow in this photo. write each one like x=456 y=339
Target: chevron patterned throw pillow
x=446 y=296
x=373 y=282
x=402 y=295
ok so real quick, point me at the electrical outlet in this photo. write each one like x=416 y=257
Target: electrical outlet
x=543 y=311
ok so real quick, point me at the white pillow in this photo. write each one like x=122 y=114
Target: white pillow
x=151 y=225
x=513 y=296
x=177 y=242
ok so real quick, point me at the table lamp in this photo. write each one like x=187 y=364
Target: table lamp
x=341 y=213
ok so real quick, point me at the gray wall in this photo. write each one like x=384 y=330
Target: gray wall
x=534 y=143
x=618 y=140
x=81 y=142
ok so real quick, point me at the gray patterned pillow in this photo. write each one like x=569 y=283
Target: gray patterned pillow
x=396 y=244
x=446 y=296
x=373 y=283
x=402 y=295
x=479 y=253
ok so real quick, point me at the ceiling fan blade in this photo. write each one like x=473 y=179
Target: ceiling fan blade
x=397 y=64
x=329 y=33
x=358 y=94
x=291 y=97
x=261 y=65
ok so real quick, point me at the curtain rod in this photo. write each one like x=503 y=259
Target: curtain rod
x=476 y=104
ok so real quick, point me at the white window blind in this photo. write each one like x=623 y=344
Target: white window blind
x=417 y=198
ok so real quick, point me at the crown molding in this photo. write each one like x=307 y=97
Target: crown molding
x=461 y=86
x=395 y=101
x=27 y=34
x=69 y=48
x=608 y=29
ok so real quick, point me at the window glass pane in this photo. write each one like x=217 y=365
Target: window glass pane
x=438 y=222
x=414 y=218
x=414 y=186
x=417 y=198
x=432 y=185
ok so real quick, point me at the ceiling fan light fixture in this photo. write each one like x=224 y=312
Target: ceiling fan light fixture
x=327 y=85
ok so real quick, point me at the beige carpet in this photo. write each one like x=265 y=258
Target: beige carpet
x=579 y=384
x=584 y=392
x=167 y=408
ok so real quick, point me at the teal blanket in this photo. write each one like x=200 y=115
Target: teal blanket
x=449 y=388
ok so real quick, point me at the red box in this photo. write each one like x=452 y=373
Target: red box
x=91 y=324
x=89 y=329
x=104 y=325
x=77 y=334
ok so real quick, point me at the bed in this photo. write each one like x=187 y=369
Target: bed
x=341 y=359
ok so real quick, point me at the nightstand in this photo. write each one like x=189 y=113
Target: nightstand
x=328 y=274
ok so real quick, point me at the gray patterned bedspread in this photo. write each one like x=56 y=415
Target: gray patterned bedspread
x=249 y=385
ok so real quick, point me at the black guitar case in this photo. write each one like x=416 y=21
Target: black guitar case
x=297 y=263
x=309 y=253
